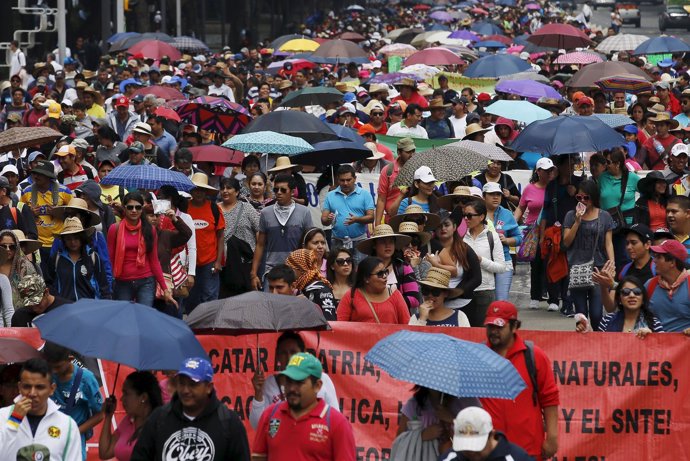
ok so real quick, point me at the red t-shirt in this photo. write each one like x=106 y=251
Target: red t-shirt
x=205 y=231
x=653 y=162
x=657 y=215
x=320 y=435
x=386 y=188
x=416 y=98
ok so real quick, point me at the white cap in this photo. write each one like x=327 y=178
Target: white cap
x=679 y=149
x=166 y=79
x=524 y=55
x=492 y=188
x=476 y=192
x=9 y=169
x=200 y=58
x=545 y=163
x=347 y=108
x=424 y=174
x=472 y=428
x=376 y=155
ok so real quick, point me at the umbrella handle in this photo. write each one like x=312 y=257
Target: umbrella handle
x=117 y=372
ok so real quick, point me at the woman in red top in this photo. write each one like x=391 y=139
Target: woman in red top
x=650 y=208
x=369 y=301
x=133 y=248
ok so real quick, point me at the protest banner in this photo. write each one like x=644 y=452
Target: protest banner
x=457 y=82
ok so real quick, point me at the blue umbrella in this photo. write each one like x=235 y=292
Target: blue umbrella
x=436 y=26
x=522 y=111
x=489 y=44
x=446 y=364
x=527 y=89
x=662 y=45
x=148 y=177
x=393 y=77
x=268 y=142
x=615 y=120
x=121 y=331
x=496 y=65
x=567 y=134
x=121 y=35
x=465 y=35
x=486 y=28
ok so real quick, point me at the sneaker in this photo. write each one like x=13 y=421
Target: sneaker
x=569 y=312
x=553 y=307
x=534 y=304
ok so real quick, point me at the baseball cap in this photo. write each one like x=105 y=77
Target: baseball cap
x=41 y=81
x=31 y=289
x=471 y=429
x=632 y=129
x=662 y=232
x=137 y=147
x=9 y=168
x=35 y=154
x=662 y=85
x=347 y=108
x=80 y=144
x=66 y=150
x=197 y=369
x=406 y=144
x=679 y=149
x=54 y=109
x=492 y=188
x=584 y=101
x=672 y=247
x=301 y=366
x=577 y=95
x=459 y=100
x=499 y=312
x=4 y=182
x=424 y=174
x=545 y=163
x=122 y=101
x=644 y=232
x=483 y=97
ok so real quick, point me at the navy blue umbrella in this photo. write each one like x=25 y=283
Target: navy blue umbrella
x=148 y=177
x=334 y=153
x=486 y=28
x=120 y=331
x=489 y=44
x=496 y=65
x=662 y=45
x=567 y=134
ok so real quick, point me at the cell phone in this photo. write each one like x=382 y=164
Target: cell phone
x=580 y=206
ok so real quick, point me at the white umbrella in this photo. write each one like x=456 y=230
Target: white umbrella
x=621 y=42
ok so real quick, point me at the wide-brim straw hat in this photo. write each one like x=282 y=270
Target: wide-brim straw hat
x=440 y=278
x=28 y=245
x=461 y=194
x=411 y=228
x=283 y=163
x=97 y=96
x=78 y=204
x=474 y=128
x=200 y=180
x=432 y=221
x=665 y=117
x=73 y=226
x=383 y=231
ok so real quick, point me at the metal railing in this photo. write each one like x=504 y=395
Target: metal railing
x=27 y=37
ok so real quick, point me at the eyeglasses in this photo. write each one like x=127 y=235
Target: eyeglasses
x=428 y=291
x=282 y=190
x=471 y=215
x=582 y=197
x=134 y=207
x=628 y=291
x=9 y=246
x=383 y=274
x=344 y=261
x=377 y=114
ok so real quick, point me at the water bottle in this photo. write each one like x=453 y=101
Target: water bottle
x=658 y=146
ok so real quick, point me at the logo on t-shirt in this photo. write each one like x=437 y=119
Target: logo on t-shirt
x=189 y=444
x=200 y=224
x=273 y=426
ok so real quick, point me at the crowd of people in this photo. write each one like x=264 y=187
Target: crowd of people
x=606 y=245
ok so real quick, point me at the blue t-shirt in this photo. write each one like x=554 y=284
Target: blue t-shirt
x=357 y=203
x=408 y=201
x=673 y=313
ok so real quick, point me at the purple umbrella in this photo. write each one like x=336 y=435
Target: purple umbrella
x=441 y=16
x=395 y=77
x=527 y=89
x=465 y=35
x=532 y=6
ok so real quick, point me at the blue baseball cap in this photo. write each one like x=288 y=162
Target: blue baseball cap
x=197 y=369
x=631 y=147
x=35 y=154
x=632 y=129
x=349 y=97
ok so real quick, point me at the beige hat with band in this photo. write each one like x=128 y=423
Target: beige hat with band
x=439 y=278
x=414 y=213
x=383 y=231
x=411 y=228
x=200 y=180
x=73 y=226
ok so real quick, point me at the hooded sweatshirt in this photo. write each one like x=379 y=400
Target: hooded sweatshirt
x=492 y=136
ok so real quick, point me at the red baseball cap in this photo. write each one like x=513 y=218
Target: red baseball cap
x=585 y=100
x=499 y=312
x=122 y=101
x=672 y=247
x=483 y=97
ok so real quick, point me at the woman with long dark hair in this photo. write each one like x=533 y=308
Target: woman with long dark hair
x=133 y=248
x=340 y=272
x=650 y=208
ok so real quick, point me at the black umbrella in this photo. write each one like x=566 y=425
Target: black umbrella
x=293 y=123
x=257 y=312
x=312 y=96
x=127 y=42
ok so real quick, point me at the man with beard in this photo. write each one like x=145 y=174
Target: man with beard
x=303 y=427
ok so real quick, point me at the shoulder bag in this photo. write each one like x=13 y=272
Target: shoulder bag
x=581 y=274
x=615 y=212
x=373 y=311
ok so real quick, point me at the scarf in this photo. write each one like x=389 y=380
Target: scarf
x=304 y=263
x=671 y=287
x=120 y=247
x=283 y=213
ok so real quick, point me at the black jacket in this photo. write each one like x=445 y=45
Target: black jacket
x=217 y=433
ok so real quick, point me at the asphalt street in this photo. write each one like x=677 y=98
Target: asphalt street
x=649 y=24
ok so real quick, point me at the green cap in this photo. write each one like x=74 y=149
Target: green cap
x=301 y=366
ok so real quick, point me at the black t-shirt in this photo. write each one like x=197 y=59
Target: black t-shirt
x=322 y=295
x=24 y=317
x=34 y=421
x=643 y=274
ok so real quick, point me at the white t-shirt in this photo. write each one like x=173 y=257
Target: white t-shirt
x=459 y=125
x=398 y=129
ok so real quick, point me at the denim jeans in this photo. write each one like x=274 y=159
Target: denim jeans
x=503 y=282
x=588 y=302
x=142 y=291
x=206 y=287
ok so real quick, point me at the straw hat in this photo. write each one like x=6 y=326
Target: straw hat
x=440 y=278
x=412 y=212
x=437 y=103
x=376 y=154
x=28 y=245
x=474 y=128
x=461 y=194
x=200 y=180
x=665 y=117
x=406 y=82
x=284 y=85
x=411 y=228
x=98 y=97
x=73 y=226
x=378 y=87
x=78 y=204
x=283 y=163
x=383 y=231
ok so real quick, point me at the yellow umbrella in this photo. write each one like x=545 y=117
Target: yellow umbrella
x=297 y=45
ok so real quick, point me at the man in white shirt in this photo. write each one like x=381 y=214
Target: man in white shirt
x=409 y=126
x=219 y=88
x=459 y=117
x=16 y=59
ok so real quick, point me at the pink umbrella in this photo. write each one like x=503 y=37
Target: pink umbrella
x=498 y=38
x=561 y=36
x=515 y=49
x=533 y=6
x=578 y=57
x=155 y=49
x=160 y=92
x=479 y=11
x=216 y=154
x=435 y=56
x=167 y=113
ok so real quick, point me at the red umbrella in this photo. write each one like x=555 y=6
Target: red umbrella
x=162 y=92
x=435 y=56
x=168 y=113
x=13 y=350
x=421 y=7
x=498 y=38
x=217 y=154
x=561 y=36
x=155 y=49
x=479 y=11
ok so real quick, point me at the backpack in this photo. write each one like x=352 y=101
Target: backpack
x=531 y=369
x=654 y=281
x=215 y=211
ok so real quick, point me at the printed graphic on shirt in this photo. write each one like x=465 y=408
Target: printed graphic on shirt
x=273 y=426
x=200 y=224
x=54 y=432
x=189 y=444
x=33 y=452
x=319 y=433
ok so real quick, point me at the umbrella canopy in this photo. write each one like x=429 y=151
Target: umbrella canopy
x=621 y=42
x=527 y=89
x=448 y=163
x=489 y=44
x=398 y=49
x=625 y=82
x=421 y=71
x=162 y=92
x=128 y=333
x=349 y=148
x=567 y=134
x=561 y=36
x=441 y=16
x=465 y=35
x=394 y=77
x=521 y=111
x=526 y=75
x=293 y=123
x=498 y=38
x=339 y=52
x=436 y=56
x=21 y=137
x=579 y=57
x=189 y=44
x=13 y=350
x=588 y=75
x=216 y=154
x=167 y=113
x=257 y=312
x=662 y=45
x=215 y=114
x=312 y=96
x=120 y=36
x=490 y=151
x=297 y=45
x=486 y=28
x=129 y=41
x=155 y=49
x=269 y=142
x=352 y=36
x=429 y=37
x=148 y=177
x=496 y=65
x=615 y=120
x=278 y=42
x=446 y=364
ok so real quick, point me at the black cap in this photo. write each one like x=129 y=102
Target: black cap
x=644 y=232
x=663 y=233
x=459 y=99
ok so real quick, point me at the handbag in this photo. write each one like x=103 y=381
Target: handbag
x=179 y=277
x=581 y=274
x=160 y=294
x=527 y=251
x=615 y=212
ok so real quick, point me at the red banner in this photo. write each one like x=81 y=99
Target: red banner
x=621 y=397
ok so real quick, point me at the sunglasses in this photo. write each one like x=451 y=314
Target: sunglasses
x=377 y=114
x=344 y=261
x=134 y=207
x=582 y=197
x=9 y=246
x=383 y=274
x=282 y=190
x=471 y=215
x=629 y=291
x=428 y=291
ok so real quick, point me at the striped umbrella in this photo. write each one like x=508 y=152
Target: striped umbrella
x=189 y=44
x=579 y=57
x=148 y=177
x=621 y=42
x=268 y=142
x=214 y=114
x=625 y=82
